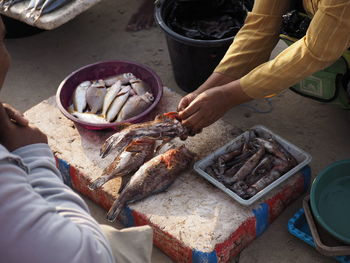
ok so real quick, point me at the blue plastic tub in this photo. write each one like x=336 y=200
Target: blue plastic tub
x=298 y=227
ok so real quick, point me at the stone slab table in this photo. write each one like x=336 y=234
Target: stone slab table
x=53 y=19
x=193 y=221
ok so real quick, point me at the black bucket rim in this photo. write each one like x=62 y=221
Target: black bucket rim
x=195 y=42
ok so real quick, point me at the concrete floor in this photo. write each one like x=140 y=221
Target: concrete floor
x=41 y=62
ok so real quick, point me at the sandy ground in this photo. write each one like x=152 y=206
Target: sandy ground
x=41 y=62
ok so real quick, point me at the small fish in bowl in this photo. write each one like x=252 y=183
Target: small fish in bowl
x=114 y=99
x=105 y=94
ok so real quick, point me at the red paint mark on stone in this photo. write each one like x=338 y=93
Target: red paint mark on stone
x=171 y=246
x=238 y=240
x=283 y=198
x=56 y=160
x=80 y=183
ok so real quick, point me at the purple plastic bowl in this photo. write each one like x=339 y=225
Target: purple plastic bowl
x=103 y=70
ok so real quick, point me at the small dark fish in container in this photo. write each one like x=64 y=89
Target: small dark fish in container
x=279 y=169
x=153 y=177
x=230 y=155
x=247 y=167
x=135 y=154
x=239 y=188
x=260 y=170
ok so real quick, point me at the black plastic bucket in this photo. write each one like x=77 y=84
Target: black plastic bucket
x=192 y=60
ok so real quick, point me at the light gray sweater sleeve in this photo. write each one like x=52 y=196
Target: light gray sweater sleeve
x=43 y=220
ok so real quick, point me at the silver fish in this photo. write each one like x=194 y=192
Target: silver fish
x=164 y=127
x=95 y=95
x=154 y=176
x=34 y=4
x=124 y=78
x=51 y=5
x=138 y=152
x=135 y=105
x=33 y=8
x=110 y=96
x=7 y=4
x=89 y=117
x=43 y=7
x=79 y=96
x=139 y=86
x=118 y=103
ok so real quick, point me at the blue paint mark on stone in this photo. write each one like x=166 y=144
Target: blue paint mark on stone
x=306 y=171
x=126 y=217
x=64 y=168
x=262 y=218
x=204 y=257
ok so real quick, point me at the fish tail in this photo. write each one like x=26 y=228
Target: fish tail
x=115 y=210
x=99 y=182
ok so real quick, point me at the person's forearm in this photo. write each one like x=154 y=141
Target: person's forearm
x=46 y=220
x=233 y=94
x=214 y=80
x=325 y=41
x=254 y=42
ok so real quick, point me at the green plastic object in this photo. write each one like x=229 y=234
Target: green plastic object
x=328 y=85
x=330 y=199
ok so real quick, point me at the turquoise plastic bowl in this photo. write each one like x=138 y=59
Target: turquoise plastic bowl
x=330 y=199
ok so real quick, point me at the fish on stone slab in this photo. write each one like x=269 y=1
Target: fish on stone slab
x=6 y=4
x=135 y=105
x=135 y=154
x=51 y=5
x=164 y=127
x=37 y=8
x=95 y=95
x=153 y=177
x=32 y=7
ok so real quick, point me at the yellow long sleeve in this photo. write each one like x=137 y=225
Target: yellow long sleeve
x=326 y=39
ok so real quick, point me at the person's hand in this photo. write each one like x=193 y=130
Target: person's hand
x=203 y=110
x=185 y=101
x=214 y=80
x=14 y=135
x=15 y=115
x=211 y=105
